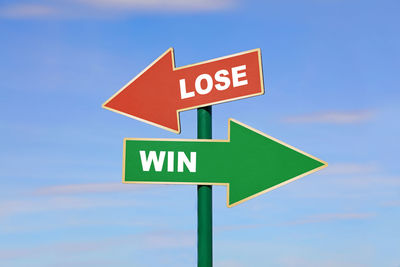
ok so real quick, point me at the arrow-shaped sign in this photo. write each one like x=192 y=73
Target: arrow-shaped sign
x=249 y=162
x=161 y=91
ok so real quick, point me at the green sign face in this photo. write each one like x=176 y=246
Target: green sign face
x=249 y=163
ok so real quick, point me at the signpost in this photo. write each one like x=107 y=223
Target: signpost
x=204 y=197
x=161 y=91
x=249 y=163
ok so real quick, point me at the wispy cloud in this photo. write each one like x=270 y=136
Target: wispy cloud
x=393 y=203
x=90 y=188
x=333 y=117
x=77 y=197
x=229 y=263
x=238 y=227
x=109 y=8
x=168 y=239
x=319 y=218
x=296 y=261
x=153 y=240
x=350 y=168
x=161 y=239
x=160 y=5
x=59 y=203
x=27 y=11
x=152 y=221
x=360 y=188
x=369 y=181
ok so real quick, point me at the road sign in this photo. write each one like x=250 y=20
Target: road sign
x=161 y=91
x=249 y=163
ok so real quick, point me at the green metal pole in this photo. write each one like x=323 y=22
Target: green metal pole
x=204 y=197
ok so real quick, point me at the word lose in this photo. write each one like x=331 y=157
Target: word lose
x=222 y=79
x=158 y=162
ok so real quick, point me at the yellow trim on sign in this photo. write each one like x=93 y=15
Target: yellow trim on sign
x=325 y=164
x=258 y=50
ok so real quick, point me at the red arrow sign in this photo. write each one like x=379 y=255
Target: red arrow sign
x=161 y=91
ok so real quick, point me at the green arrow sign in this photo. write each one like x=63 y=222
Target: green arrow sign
x=250 y=162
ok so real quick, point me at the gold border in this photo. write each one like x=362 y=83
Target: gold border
x=183 y=67
x=325 y=164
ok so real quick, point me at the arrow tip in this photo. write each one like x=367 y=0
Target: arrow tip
x=265 y=163
x=147 y=96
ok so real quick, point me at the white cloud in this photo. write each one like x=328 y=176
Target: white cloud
x=370 y=181
x=153 y=240
x=109 y=8
x=238 y=227
x=333 y=117
x=229 y=263
x=319 y=218
x=393 y=203
x=90 y=188
x=59 y=203
x=349 y=168
x=360 y=176
x=161 y=5
x=332 y=217
x=75 y=197
x=27 y=11
x=168 y=239
x=296 y=261
x=66 y=222
x=359 y=186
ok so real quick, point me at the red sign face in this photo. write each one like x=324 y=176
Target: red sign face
x=161 y=91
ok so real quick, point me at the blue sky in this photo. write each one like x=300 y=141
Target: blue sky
x=331 y=72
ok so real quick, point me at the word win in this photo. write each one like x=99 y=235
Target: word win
x=222 y=79
x=158 y=162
